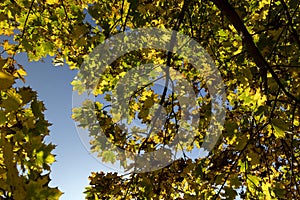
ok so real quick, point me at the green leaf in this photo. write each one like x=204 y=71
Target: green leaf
x=40 y=158
x=27 y=94
x=37 y=108
x=108 y=156
x=279 y=128
x=3 y=118
x=6 y=80
x=12 y=101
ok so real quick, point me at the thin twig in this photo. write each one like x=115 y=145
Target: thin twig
x=24 y=28
x=238 y=158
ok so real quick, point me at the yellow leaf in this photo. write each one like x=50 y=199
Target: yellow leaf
x=50 y=159
x=265 y=188
x=8 y=48
x=116 y=117
x=278 y=132
x=145 y=94
x=20 y=73
x=4 y=75
x=254 y=179
x=296 y=122
x=135 y=107
x=51 y=2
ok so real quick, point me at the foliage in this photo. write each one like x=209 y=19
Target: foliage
x=24 y=155
x=255 y=45
x=25 y=158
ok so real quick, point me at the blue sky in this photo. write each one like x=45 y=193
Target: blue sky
x=74 y=164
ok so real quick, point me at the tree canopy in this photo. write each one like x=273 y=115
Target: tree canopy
x=256 y=48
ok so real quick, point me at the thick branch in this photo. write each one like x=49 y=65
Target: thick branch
x=253 y=51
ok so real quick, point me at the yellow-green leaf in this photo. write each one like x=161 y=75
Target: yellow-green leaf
x=279 y=127
x=6 y=80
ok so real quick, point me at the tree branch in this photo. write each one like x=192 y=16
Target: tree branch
x=290 y=23
x=24 y=28
x=167 y=68
x=252 y=49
